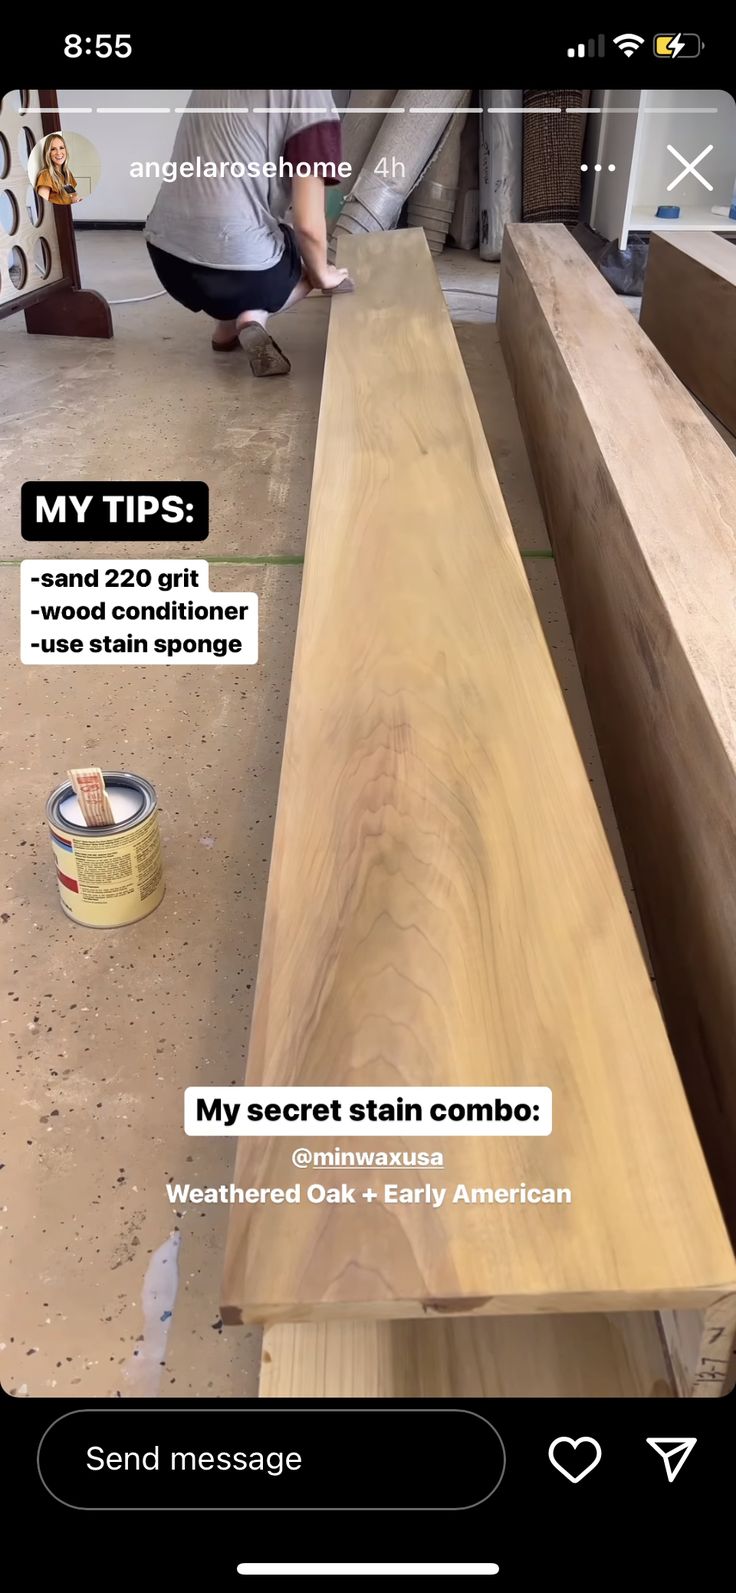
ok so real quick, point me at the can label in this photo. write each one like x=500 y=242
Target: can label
x=109 y=880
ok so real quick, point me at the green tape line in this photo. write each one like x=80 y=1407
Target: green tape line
x=289 y=558
x=265 y=558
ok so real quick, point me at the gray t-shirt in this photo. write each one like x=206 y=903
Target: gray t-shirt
x=214 y=216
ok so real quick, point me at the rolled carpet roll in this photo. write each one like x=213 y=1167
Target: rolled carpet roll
x=499 y=167
x=436 y=205
x=396 y=160
x=421 y=216
x=360 y=126
x=553 y=146
x=437 y=191
x=435 y=241
x=464 y=229
x=359 y=129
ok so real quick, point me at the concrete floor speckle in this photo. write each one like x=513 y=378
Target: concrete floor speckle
x=104 y=1030
x=156 y=403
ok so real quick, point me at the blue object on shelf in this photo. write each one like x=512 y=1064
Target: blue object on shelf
x=732 y=212
x=668 y=212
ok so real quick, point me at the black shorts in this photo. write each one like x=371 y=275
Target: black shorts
x=223 y=294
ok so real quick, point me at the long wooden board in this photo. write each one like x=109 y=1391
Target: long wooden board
x=689 y=311
x=442 y=905
x=639 y=493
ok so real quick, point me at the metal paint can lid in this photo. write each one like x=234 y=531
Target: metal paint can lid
x=132 y=784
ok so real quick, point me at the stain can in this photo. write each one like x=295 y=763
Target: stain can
x=111 y=875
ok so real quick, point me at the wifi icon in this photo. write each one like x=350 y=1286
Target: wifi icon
x=629 y=43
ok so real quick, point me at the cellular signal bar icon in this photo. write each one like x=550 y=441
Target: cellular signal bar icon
x=593 y=47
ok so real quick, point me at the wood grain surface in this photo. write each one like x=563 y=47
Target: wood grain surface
x=442 y=904
x=639 y=494
x=563 y=1357
x=689 y=311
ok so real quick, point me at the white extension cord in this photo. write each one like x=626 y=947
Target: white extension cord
x=143 y=299
x=477 y=293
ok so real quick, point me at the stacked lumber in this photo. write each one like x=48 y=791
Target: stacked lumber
x=443 y=909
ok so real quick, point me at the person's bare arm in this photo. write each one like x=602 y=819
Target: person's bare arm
x=44 y=193
x=308 y=202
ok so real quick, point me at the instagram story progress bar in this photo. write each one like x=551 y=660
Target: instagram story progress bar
x=593 y=47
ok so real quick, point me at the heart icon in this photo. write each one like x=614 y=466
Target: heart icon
x=575 y=1443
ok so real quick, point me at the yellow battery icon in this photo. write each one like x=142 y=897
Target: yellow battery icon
x=671 y=46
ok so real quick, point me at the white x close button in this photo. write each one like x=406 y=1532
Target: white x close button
x=688 y=166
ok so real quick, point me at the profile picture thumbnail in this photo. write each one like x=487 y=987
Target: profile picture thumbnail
x=63 y=168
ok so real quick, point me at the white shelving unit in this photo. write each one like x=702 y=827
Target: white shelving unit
x=631 y=129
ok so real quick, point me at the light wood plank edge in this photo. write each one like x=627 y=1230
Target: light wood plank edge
x=617 y=1356
x=496 y=1306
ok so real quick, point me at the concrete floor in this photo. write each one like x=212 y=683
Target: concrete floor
x=103 y=1031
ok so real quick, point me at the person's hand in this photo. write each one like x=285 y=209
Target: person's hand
x=76 y=201
x=330 y=278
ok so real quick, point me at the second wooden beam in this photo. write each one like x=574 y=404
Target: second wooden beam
x=689 y=312
x=639 y=494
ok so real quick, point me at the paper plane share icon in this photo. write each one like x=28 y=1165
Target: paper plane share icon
x=674 y=1453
